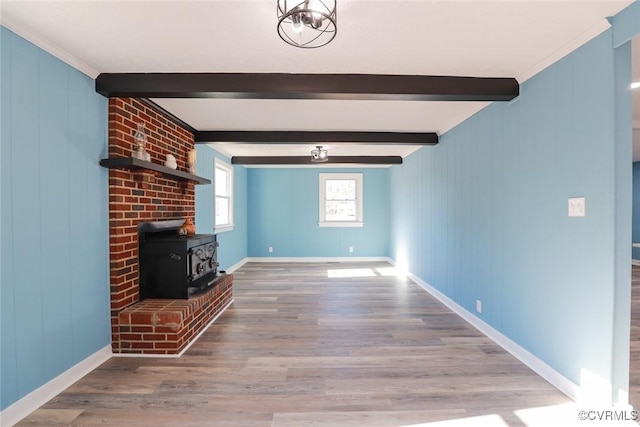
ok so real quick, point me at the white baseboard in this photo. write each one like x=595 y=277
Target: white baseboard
x=173 y=356
x=237 y=265
x=556 y=379
x=32 y=401
x=316 y=259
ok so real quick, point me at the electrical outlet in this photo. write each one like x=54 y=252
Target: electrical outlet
x=577 y=206
x=350 y=248
x=270 y=249
x=479 y=306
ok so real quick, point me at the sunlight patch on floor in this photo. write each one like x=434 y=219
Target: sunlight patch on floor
x=493 y=420
x=350 y=272
x=565 y=415
x=366 y=272
x=391 y=271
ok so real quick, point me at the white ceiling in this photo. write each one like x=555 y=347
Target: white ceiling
x=508 y=38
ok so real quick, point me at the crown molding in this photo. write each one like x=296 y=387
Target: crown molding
x=49 y=47
x=574 y=44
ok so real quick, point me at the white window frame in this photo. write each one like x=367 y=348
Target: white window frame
x=228 y=169
x=323 y=178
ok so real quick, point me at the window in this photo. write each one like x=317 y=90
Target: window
x=340 y=200
x=223 y=182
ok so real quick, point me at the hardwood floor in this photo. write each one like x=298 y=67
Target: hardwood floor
x=300 y=349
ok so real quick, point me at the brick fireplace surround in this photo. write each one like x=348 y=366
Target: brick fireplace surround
x=150 y=326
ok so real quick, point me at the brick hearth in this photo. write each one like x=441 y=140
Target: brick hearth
x=139 y=196
x=162 y=326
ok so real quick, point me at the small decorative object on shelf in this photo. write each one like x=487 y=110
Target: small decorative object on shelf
x=132 y=163
x=191 y=161
x=171 y=162
x=188 y=228
x=140 y=150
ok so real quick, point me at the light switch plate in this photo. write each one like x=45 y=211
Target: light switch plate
x=577 y=206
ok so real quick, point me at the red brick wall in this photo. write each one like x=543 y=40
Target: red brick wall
x=140 y=196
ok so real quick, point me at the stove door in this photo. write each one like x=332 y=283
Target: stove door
x=203 y=260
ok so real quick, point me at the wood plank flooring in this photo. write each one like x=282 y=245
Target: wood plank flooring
x=298 y=348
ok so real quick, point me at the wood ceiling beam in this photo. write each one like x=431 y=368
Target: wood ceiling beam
x=306 y=160
x=307 y=86
x=319 y=137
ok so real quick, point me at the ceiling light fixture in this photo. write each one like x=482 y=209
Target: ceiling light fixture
x=635 y=85
x=307 y=23
x=319 y=155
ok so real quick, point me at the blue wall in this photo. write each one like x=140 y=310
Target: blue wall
x=483 y=215
x=233 y=244
x=55 y=280
x=278 y=207
x=283 y=214
x=480 y=216
x=636 y=208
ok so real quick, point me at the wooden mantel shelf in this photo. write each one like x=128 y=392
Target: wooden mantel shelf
x=132 y=163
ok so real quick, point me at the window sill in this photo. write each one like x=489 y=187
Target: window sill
x=340 y=224
x=223 y=229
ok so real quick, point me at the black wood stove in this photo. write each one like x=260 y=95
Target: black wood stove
x=173 y=266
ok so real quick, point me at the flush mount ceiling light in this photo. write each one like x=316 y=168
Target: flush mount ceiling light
x=307 y=23
x=319 y=155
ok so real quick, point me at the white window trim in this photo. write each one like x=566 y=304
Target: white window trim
x=219 y=164
x=322 y=221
